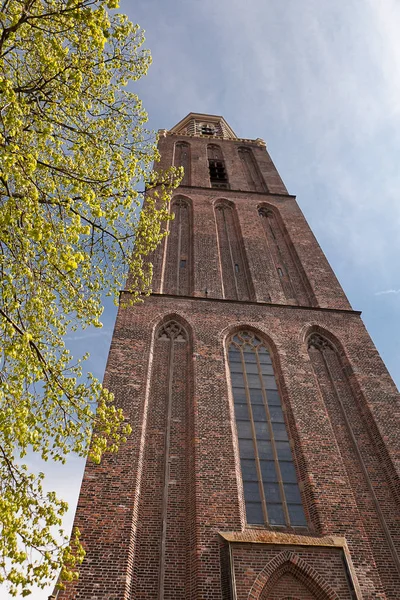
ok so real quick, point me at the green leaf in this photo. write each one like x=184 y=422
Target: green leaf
x=73 y=153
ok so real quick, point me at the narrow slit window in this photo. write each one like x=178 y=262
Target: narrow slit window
x=280 y=272
x=236 y=268
x=271 y=492
x=183 y=264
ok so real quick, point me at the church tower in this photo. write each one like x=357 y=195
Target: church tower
x=264 y=458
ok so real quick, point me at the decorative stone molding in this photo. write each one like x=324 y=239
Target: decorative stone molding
x=172 y=331
x=318 y=342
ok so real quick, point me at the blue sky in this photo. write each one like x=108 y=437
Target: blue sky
x=320 y=82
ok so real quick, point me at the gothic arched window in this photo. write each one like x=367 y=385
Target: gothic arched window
x=359 y=442
x=292 y=279
x=252 y=173
x=165 y=489
x=234 y=269
x=182 y=159
x=271 y=491
x=216 y=165
x=172 y=332
x=178 y=263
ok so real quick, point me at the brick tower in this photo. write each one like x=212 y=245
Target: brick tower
x=262 y=463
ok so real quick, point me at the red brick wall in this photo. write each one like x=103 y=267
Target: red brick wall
x=255 y=181
x=236 y=174
x=281 y=254
x=321 y=282
x=290 y=573
x=178 y=268
x=340 y=417
x=164 y=510
x=308 y=278
x=365 y=465
x=182 y=159
x=289 y=587
x=233 y=265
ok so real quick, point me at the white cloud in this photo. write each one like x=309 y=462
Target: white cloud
x=383 y=292
x=319 y=81
x=86 y=335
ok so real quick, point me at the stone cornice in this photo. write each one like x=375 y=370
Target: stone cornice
x=348 y=311
x=258 y=142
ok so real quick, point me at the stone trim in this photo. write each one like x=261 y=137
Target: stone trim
x=251 y=302
x=263 y=536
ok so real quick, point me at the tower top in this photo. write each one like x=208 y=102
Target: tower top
x=201 y=125
x=206 y=126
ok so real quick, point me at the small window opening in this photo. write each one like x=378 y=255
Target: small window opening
x=236 y=268
x=218 y=175
x=280 y=272
x=207 y=130
x=183 y=264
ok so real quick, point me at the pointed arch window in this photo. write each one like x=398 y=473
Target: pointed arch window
x=234 y=269
x=178 y=263
x=172 y=332
x=216 y=165
x=252 y=173
x=167 y=460
x=271 y=491
x=293 y=281
x=182 y=159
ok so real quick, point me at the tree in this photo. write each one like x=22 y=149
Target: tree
x=73 y=150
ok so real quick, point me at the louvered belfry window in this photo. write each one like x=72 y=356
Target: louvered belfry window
x=216 y=166
x=217 y=173
x=271 y=492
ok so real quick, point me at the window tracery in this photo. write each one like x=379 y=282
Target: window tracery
x=318 y=342
x=271 y=491
x=172 y=331
x=361 y=439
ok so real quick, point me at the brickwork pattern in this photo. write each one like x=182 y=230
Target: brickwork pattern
x=305 y=573
x=229 y=151
x=364 y=466
x=178 y=268
x=151 y=517
x=232 y=263
x=164 y=509
x=182 y=159
x=328 y=494
x=255 y=181
x=289 y=586
x=309 y=278
x=283 y=256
